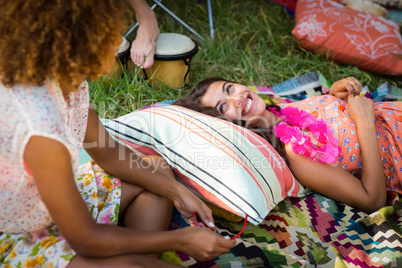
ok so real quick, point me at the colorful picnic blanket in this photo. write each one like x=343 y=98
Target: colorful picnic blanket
x=313 y=231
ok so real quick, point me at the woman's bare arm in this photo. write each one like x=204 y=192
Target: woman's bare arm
x=367 y=193
x=50 y=164
x=361 y=110
x=336 y=183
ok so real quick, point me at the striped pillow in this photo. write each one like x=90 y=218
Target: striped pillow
x=223 y=163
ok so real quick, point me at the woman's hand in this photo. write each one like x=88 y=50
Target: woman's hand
x=346 y=87
x=187 y=203
x=204 y=244
x=361 y=109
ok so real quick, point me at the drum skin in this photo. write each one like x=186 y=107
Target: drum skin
x=172 y=60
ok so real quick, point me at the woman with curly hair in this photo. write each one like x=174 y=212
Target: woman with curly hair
x=340 y=145
x=54 y=213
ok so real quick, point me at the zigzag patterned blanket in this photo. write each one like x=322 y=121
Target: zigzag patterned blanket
x=313 y=231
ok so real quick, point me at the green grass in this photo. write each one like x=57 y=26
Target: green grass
x=253 y=45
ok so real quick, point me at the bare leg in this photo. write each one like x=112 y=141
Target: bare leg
x=141 y=210
x=155 y=211
x=148 y=212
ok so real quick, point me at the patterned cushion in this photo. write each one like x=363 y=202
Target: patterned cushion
x=225 y=164
x=349 y=36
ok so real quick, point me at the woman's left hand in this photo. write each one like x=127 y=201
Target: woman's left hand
x=187 y=203
x=345 y=87
x=361 y=110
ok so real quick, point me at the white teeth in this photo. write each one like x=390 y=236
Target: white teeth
x=248 y=106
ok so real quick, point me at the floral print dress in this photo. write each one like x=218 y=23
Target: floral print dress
x=47 y=247
x=28 y=236
x=388 y=121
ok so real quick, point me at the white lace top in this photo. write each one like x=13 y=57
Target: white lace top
x=27 y=112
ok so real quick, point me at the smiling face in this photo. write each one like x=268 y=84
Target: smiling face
x=239 y=102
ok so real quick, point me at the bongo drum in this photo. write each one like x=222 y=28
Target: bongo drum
x=366 y=6
x=122 y=58
x=172 y=60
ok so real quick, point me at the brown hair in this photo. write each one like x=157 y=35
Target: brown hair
x=201 y=88
x=56 y=39
x=193 y=101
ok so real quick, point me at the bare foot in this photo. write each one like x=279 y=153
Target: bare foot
x=144 y=46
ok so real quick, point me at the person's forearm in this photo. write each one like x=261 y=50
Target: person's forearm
x=114 y=240
x=372 y=171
